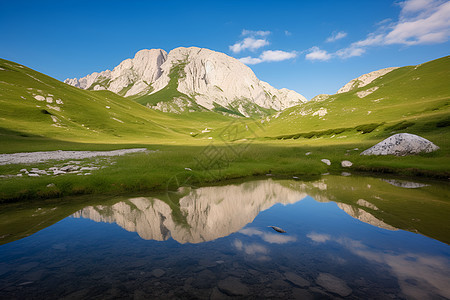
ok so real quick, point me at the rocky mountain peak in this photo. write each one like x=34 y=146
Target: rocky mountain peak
x=207 y=78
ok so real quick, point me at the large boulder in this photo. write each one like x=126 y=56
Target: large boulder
x=401 y=144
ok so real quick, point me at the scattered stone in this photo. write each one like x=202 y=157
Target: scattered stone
x=50 y=185
x=33 y=175
x=277 y=229
x=37 y=157
x=19 y=175
x=346 y=174
x=216 y=294
x=158 y=272
x=296 y=279
x=233 y=287
x=302 y=294
x=279 y=284
x=401 y=144
x=405 y=184
x=333 y=284
x=23 y=170
x=308 y=153
x=326 y=161
x=346 y=164
x=39 y=98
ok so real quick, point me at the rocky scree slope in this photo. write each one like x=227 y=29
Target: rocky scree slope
x=191 y=79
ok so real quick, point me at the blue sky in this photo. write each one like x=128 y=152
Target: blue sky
x=309 y=46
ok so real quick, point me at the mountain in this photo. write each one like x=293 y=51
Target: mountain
x=413 y=99
x=191 y=79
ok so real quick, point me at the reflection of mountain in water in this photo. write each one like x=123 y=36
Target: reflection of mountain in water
x=364 y=216
x=210 y=212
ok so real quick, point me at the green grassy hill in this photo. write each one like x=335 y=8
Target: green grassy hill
x=415 y=99
x=35 y=106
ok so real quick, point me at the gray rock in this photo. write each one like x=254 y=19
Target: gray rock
x=401 y=144
x=232 y=286
x=333 y=284
x=296 y=279
x=326 y=161
x=346 y=164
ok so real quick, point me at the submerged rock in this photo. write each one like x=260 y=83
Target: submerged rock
x=233 y=286
x=401 y=144
x=333 y=284
x=296 y=279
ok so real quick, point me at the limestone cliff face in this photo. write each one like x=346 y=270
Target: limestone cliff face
x=207 y=76
x=364 y=80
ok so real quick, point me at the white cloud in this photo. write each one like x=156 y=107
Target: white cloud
x=350 y=52
x=269 y=56
x=248 y=60
x=255 y=32
x=277 y=55
x=288 y=33
x=430 y=24
x=249 y=43
x=336 y=36
x=317 y=54
x=420 y=22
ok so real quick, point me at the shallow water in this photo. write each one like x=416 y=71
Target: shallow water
x=346 y=237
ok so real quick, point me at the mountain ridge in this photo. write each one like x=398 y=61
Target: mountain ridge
x=201 y=76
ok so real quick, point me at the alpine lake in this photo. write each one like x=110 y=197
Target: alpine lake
x=346 y=237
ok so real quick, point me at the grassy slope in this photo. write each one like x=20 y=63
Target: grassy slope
x=84 y=116
x=411 y=94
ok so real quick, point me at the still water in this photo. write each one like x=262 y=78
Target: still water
x=346 y=238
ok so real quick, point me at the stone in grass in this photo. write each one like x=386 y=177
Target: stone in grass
x=401 y=144
x=233 y=287
x=326 y=161
x=346 y=164
x=333 y=284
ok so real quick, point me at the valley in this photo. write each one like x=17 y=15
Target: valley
x=223 y=142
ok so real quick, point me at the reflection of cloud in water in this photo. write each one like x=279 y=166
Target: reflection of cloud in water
x=318 y=238
x=273 y=238
x=253 y=249
x=419 y=276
